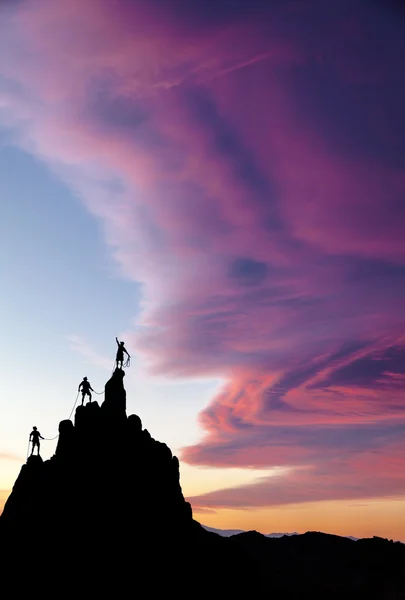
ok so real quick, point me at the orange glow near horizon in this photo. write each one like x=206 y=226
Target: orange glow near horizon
x=240 y=223
x=368 y=518
x=382 y=517
x=4 y=494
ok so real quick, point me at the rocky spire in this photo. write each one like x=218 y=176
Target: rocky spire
x=110 y=501
x=106 y=461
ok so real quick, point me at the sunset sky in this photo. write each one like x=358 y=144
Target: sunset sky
x=222 y=186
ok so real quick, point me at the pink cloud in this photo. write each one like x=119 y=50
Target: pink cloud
x=248 y=168
x=336 y=482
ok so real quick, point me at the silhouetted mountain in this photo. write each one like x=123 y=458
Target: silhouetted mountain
x=106 y=516
x=319 y=565
x=223 y=532
x=230 y=532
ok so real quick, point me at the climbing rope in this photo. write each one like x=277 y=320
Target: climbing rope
x=56 y=436
x=125 y=365
x=71 y=412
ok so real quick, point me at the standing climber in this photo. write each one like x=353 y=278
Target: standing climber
x=35 y=436
x=85 y=387
x=120 y=354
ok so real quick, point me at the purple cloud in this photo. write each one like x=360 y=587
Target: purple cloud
x=248 y=165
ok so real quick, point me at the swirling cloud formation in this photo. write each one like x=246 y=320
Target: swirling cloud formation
x=248 y=163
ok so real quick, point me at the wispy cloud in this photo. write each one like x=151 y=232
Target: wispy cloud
x=82 y=347
x=256 y=190
x=204 y=511
x=9 y=456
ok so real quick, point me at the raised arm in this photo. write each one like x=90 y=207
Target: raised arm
x=116 y=339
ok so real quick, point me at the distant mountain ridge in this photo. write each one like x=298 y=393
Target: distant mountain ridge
x=231 y=532
x=106 y=517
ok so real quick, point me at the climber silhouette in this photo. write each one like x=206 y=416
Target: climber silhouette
x=119 y=359
x=34 y=438
x=85 y=387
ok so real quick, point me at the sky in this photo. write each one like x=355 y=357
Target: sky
x=222 y=186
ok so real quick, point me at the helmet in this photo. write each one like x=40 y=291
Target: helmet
x=34 y=427
x=85 y=378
